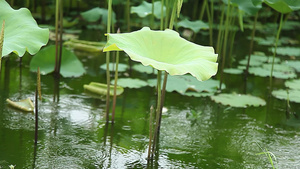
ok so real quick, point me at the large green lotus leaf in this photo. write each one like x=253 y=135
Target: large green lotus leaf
x=21 y=31
x=166 y=50
x=195 y=26
x=293 y=84
x=130 y=83
x=45 y=59
x=289 y=51
x=95 y=14
x=292 y=95
x=284 y=6
x=146 y=9
x=238 y=100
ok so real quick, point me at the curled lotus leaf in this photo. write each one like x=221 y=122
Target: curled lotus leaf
x=21 y=32
x=166 y=50
x=24 y=105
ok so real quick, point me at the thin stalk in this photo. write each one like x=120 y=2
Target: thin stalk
x=107 y=61
x=36 y=106
x=162 y=15
x=225 y=43
x=152 y=16
x=210 y=25
x=220 y=33
x=39 y=83
x=195 y=10
x=251 y=44
x=56 y=34
x=202 y=10
x=150 y=132
x=1 y=42
x=115 y=88
x=275 y=49
x=60 y=34
x=167 y=13
x=128 y=14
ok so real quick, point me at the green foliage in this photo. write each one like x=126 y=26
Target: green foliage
x=101 y=89
x=121 y=67
x=291 y=95
x=238 y=100
x=97 y=13
x=145 y=9
x=195 y=26
x=154 y=48
x=293 y=84
x=45 y=59
x=288 y=51
x=131 y=83
x=21 y=31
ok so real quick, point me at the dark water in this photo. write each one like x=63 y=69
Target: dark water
x=73 y=133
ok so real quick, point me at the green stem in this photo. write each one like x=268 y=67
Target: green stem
x=220 y=33
x=1 y=42
x=60 y=35
x=107 y=61
x=115 y=89
x=128 y=14
x=152 y=16
x=162 y=15
x=210 y=25
x=275 y=49
x=150 y=132
x=56 y=34
x=202 y=10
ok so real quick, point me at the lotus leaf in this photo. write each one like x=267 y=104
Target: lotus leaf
x=294 y=64
x=146 y=9
x=166 y=50
x=238 y=100
x=121 y=67
x=131 y=83
x=247 y=6
x=289 y=51
x=143 y=69
x=45 y=59
x=293 y=84
x=95 y=14
x=195 y=26
x=283 y=6
x=24 y=105
x=83 y=45
x=293 y=95
x=233 y=71
x=21 y=31
x=263 y=72
x=101 y=89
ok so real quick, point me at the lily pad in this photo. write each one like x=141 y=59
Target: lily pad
x=97 y=13
x=101 y=89
x=45 y=59
x=233 y=71
x=112 y=66
x=24 y=105
x=21 y=31
x=292 y=95
x=293 y=84
x=146 y=9
x=144 y=69
x=238 y=100
x=166 y=50
x=294 y=64
x=195 y=26
x=264 y=72
x=131 y=83
x=288 y=51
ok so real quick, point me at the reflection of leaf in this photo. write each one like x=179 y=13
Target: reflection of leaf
x=193 y=25
x=45 y=59
x=238 y=100
x=294 y=95
x=293 y=84
x=131 y=83
x=21 y=31
x=146 y=9
x=101 y=89
x=166 y=50
x=25 y=105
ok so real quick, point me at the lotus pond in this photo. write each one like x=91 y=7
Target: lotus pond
x=238 y=118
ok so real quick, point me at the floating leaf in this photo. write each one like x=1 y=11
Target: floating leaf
x=289 y=51
x=101 y=89
x=166 y=50
x=238 y=100
x=131 y=83
x=263 y=72
x=292 y=95
x=146 y=9
x=24 y=105
x=97 y=13
x=21 y=31
x=144 y=69
x=294 y=64
x=45 y=59
x=293 y=84
x=195 y=26
x=233 y=71
x=121 y=67
x=87 y=46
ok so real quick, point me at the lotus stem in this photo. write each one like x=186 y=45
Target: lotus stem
x=39 y=83
x=128 y=14
x=202 y=10
x=115 y=86
x=107 y=60
x=60 y=34
x=152 y=16
x=251 y=44
x=210 y=24
x=1 y=41
x=56 y=34
x=220 y=33
x=150 y=132
x=37 y=93
x=162 y=15
x=275 y=49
